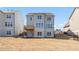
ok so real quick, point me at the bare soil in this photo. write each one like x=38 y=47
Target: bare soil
x=37 y=44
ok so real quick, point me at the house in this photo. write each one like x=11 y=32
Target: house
x=40 y=25
x=58 y=31
x=72 y=26
x=10 y=23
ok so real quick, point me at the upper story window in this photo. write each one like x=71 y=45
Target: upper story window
x=39 y=17
x=31 y=18
x=8 y=16
x=48 y=18
x=39 y=25
x=8 y=24
x=5 y=23
x=49 y=26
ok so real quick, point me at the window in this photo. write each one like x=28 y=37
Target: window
x=49 y=19
x=39 y=17
x=39 y=33
x=5 y=23
x=11 y=24
x=8 y=24
x=8 y=32
x=30 y=18
x=8 y=16
x=48 y=25
x=48 y=33
x=39 y=25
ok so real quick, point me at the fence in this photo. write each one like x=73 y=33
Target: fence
x=61 y=36
x=76 y=37
x=66 y=36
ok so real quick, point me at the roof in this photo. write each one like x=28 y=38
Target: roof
x=7 y=11
x=72 y=13
x=41 y=13
x=67 y=24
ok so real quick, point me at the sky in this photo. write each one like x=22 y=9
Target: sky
x=62 y=14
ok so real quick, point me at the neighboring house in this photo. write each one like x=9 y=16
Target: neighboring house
x=58 y=31
x=10 y=23
x=72 y=26
x=40 y=25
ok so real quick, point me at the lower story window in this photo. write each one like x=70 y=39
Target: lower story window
x=8 y=32
x=39 y=33
x=48 y=33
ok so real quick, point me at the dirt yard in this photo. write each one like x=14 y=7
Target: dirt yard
x=19 y=44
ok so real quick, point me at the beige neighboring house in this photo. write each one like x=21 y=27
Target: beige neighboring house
x=40 y=25
x=11 y=23
x=72 y=26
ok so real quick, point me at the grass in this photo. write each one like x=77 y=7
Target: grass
x=43 y=44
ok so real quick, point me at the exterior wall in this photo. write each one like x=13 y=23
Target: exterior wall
x=19 y=26
x=74 y=22
x=30 y=25
x=30 y=34
x=30 y=22
x=44 y=21
x=11 y=20
x=66 y=29
x=38 y=29
x=52 y=26
x=1 y=23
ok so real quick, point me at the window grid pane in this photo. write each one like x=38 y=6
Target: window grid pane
x=39 y=17
x=48 y=33
x=8 y=32
x=39 y=33
x=8 y=16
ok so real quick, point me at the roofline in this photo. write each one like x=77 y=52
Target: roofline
x=9 y=11
x=40 y=13
x=72 y=13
